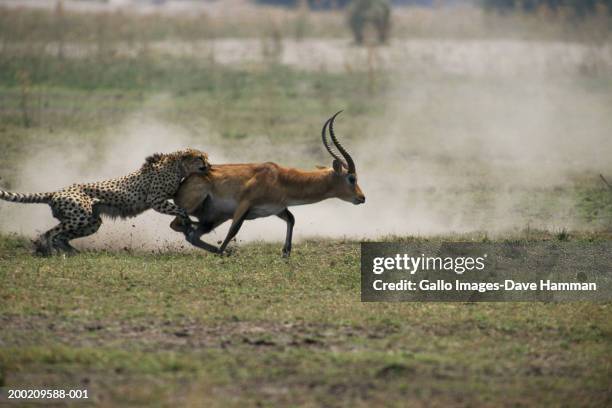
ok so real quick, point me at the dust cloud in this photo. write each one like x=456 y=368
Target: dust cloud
x=490 y=152
x=487 y=154
x=124 y=150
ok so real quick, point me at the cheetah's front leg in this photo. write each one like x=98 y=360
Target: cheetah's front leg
x=168 y=208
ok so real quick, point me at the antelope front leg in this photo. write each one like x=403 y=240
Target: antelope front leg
x=239 y=216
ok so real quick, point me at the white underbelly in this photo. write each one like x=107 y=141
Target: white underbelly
x=224 y=205
x=265 y=210
x=227 y=206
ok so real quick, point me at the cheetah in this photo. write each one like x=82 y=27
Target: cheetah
x=79 y=206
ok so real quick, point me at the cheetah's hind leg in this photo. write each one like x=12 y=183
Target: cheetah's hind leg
x=57 y=238
x=43 y=245
x=61 y=240
x=61 y=244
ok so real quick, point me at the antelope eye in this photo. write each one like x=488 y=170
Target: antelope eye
x=352 y=179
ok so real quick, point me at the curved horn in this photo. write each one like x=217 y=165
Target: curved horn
x=328 y=147
x=342 y=150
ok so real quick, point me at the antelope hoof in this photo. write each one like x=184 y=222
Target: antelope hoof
x=229 y=251
x=286 y=253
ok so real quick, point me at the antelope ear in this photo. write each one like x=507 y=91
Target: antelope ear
x=184 y=165
x=337 y=164
x=320 y=167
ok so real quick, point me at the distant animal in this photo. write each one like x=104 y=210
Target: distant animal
x=375 y=13
x=79 y=206
x=248 y=191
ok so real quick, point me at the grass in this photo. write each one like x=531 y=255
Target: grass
x=256 y=329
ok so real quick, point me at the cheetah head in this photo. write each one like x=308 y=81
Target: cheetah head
x=193 y=161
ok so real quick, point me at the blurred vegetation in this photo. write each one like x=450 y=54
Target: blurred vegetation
x=104 y=29
x=579 y=8
x=312 y=4
x=375 y=14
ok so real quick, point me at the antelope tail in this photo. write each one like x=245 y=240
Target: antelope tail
x=25 y=197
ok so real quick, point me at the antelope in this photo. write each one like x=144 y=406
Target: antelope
x=254 y=190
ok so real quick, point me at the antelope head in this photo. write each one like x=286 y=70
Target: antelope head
x=344 y=175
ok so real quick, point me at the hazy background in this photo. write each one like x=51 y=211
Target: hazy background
x=468 y=120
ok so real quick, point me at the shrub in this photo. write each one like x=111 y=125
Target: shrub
x=376 y=13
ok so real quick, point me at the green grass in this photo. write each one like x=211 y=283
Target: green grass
x=195 y=86
x=257 y=329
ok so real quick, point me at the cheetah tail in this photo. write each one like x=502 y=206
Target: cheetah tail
x=25 y=198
